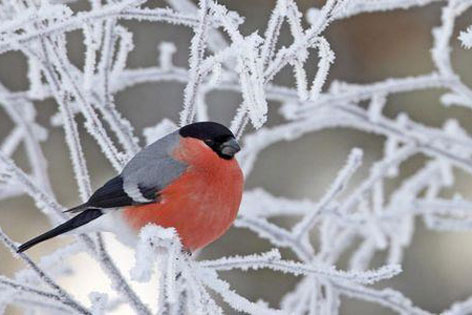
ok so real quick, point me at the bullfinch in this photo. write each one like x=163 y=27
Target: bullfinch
x=188 y=180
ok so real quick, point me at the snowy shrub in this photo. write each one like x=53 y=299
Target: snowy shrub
x=223 y=58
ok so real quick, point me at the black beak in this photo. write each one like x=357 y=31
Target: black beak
x=230 y=147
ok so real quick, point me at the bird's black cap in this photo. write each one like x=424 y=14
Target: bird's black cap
x=219 y=138
x=206 y=130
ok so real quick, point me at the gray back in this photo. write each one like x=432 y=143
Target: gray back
x=154 y=166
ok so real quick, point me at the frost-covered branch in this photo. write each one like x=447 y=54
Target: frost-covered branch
x=361 y=214
x=61 y=294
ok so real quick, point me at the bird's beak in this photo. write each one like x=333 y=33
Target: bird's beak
x=230 y=147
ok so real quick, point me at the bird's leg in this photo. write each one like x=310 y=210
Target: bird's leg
x=186 y=252
x=178 y=275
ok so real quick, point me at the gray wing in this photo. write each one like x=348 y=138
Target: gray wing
x=147 y=173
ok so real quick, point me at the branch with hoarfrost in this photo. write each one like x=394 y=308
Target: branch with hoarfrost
x=352 y=164
x=61 y=294
x=24 y=293
x=271 y=261
x=460 y=308
x=196 y=58
x=222 y=58
x=51 y=208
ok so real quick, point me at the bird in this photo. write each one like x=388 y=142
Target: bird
x=189 y=180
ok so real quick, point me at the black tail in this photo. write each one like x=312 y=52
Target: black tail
x=80 y=208
x=79 y=220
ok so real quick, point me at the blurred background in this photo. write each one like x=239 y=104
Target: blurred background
x=368 y=48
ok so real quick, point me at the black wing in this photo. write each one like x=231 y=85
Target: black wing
x=147 y=173
x=110 y=195
x=113 y=195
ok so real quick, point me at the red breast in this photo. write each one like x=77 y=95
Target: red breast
x=202 y=203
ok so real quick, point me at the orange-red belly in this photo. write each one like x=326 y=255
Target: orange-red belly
x=201 y=204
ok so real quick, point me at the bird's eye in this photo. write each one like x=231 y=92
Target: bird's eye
x=209 y=142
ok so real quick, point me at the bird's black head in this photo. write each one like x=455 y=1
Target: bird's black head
x=219 y=138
